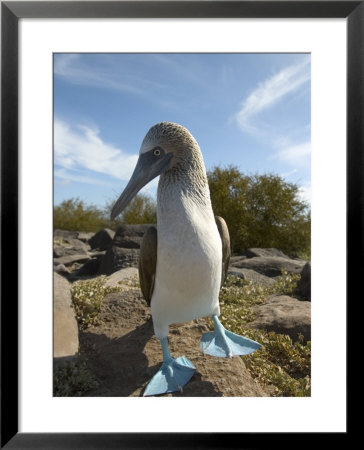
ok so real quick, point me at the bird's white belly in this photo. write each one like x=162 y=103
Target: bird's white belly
x=188 y=272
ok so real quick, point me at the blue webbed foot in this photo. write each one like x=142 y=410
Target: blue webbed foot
x=225 y=344
x=172 y=376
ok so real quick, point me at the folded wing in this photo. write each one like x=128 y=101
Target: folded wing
x=148 y=262
x=226 y=252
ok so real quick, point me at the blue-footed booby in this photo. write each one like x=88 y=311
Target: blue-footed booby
x=184 y=260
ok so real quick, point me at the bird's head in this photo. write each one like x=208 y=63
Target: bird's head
x=160 y=151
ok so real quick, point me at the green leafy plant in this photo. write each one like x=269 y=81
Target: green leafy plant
x=238 y=296
x=285 y=284
x=87 y=296
x=281 y=366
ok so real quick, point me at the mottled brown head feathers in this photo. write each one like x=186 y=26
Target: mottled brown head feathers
x=187 y=167
x=172 y=137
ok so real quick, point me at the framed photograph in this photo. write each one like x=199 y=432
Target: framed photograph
x=49 y=49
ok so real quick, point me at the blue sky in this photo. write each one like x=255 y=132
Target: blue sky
x=248 y=110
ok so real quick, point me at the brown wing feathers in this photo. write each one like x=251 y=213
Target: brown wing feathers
x=226 y=252
x=148 y=262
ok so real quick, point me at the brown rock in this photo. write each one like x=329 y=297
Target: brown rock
x=71 y=259
x=271 y=266
x=118 y=258
x=122 y=275
x=69 y=246
x=253 y=252
x=285 y=315
x=124 y=355
x=236 y=258
x=303 y=289
x=252 y=275
x=65 y=343
x=61 y=269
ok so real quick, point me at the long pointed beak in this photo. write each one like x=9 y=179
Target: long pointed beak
x=148 y=167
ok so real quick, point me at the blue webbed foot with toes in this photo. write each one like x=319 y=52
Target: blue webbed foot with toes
x=226 y=344
x=172 y=376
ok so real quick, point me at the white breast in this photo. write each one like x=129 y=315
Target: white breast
x=188 y=269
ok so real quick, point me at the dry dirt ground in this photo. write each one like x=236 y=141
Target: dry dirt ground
x=123 y=354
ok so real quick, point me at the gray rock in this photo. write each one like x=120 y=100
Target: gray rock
x=58 y=251
x=284 y=315
x=303 y=289
x=271 y=266
x=79 y=245
x=236 y=258
x=68 y=260
x=102 y=239
x=61 y=268
x=124 y=249
x=121 y=275
x=97 y=254
x=118 y=258
x=65 y=234
x=130 y=236
x=85 y=236
x=91 y=267
x=65 y=328
x=254 y=252
x=69 y=246
x=252 y=275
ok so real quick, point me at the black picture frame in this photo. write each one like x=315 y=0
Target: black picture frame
x=11 y=12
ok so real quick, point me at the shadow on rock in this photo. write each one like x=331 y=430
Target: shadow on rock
x=197 y=387
x=119 y=364
x=123 y=369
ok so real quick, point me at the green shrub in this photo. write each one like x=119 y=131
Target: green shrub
x=142 y=209
x=260 y=211
x=74 y=215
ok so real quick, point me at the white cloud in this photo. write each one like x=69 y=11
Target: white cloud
x=304 y=193
x=296 y=155
x=65 y=177
x=281 y=141
x=107 y=72
x=80 y=148
x=289 y=174
x=193 y=71
x=270 y=92
x=63 y=63
x=107 y=75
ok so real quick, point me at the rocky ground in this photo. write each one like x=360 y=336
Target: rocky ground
x=122 y=352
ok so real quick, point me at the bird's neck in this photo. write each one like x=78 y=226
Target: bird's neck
x=187 y=178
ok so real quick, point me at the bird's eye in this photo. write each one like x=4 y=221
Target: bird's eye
x=157 y=152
